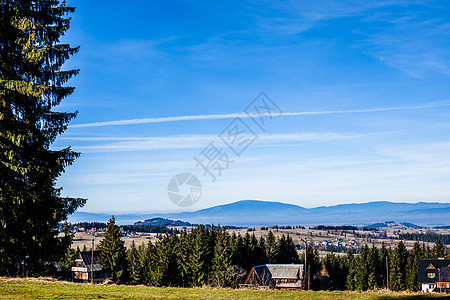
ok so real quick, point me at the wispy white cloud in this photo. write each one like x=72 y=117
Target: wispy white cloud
x=243 y=115
x=200 y=141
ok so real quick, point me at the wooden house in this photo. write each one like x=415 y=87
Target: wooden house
x=434 y=275
x=280 y=276
x=84 y=267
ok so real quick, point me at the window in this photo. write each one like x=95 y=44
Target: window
x=431 y=275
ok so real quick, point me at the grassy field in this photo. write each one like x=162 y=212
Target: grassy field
x=12 y=288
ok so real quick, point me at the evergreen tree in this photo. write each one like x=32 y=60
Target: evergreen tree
x=412 y=267
x=151 y=273
x=313 y=264
x=291 y=251
x=335 y=271
x=439 y=250
x=68 y=259
x=256 y=255
x=134 y=264
x=384 y=259
x=167 y=260
x=271 y=247
x=32 y=84
x=262 y=251
x=351 y=277
x=373 y=264
x=197 y=257
x=362 y=269
x=113 y=253
x=397 y=267
x=281 y=257
x=222 y=259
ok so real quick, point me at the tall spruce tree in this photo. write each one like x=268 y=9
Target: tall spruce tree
x=222 y=259
x=351 y=277
x=384 y=260
x=196 y=258
x=373 y=265
x=412 y=267
x=151 y=272
x=112 y=252
x=439 y=250
x=68 y=258
x=134 y=264
x=397 y=267
x=362 y=269
x=31 y=85
x=271 y=248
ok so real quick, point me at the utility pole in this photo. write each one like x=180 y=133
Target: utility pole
x=440 y=282
x=387 y=274
x=306 y=267
x=92 y=259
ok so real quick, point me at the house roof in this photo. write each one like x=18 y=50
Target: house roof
x=87 y=257
x=280 y=271
x=436 y=266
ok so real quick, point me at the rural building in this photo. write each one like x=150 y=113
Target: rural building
x=280 y=276
x=434 y=275
x=83 y=265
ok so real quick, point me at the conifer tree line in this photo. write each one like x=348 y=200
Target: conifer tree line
x=212 y=256
x=203 y=256
x=373 y=268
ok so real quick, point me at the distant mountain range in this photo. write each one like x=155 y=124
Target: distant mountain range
x=257 y=213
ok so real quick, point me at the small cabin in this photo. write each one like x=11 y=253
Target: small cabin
x=434 y=275
x=279 y=276
x=84 y=267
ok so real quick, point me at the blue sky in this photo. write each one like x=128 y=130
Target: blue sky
x=380 y=70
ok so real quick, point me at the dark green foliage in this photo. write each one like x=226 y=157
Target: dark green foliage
x=90 y=225
x=373 y=268
x=397 y=268
x=135 y=264
x=351 y=277
x=313 y=265
x=167 y=256
x=384 y=260
x=362 y=269
x=32 y=84
x=335 y=271
x=412 y=267
x=439 y=250
x=287 y=253
x=147 y=228
x=222 y=260
x=68 y=258
x=430 y=238
x=271 y=247
x=112 y=253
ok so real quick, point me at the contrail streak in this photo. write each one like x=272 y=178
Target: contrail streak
x=243 y=115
